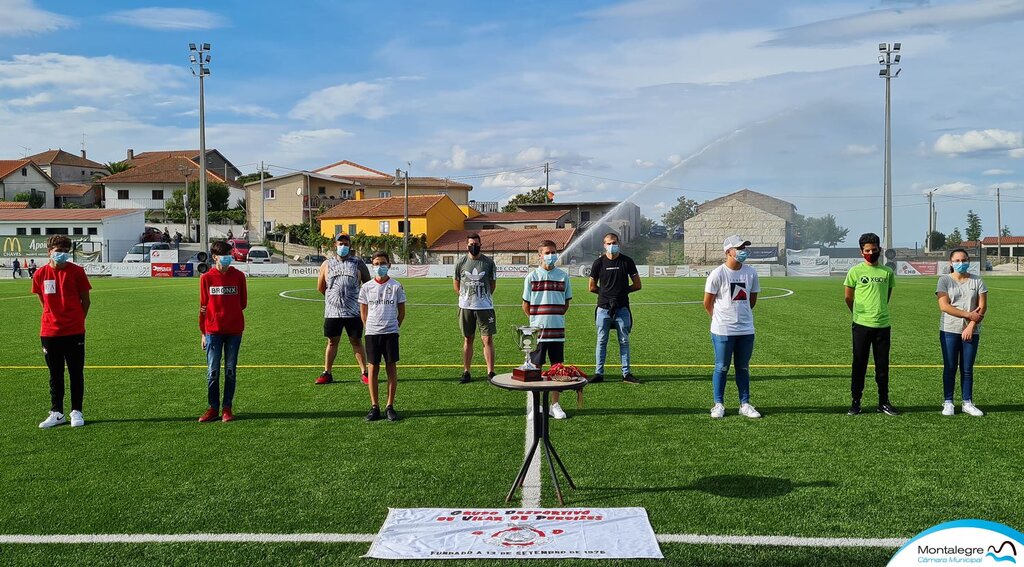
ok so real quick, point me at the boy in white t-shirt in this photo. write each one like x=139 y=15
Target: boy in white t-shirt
x=382 y=309
x=730 y=294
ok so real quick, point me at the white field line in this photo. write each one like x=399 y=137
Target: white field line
x=531 y=486
x=75 y=539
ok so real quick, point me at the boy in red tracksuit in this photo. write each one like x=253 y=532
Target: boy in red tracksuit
x=222 y=298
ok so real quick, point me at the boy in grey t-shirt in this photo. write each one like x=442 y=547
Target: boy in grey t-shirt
x=475 y=280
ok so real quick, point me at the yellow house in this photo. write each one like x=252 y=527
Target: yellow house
x=432 y=215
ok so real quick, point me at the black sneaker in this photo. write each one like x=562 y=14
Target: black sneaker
x=466 y=377
x=596 y=378
x=887 y=409
x=854 y=409
x=630 y=379
x=374 y=414
x=391 y=413
x=490 y=375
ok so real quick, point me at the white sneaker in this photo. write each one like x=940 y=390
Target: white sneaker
x=76 y=419
x=749 y=411
x=718 y=411
x=947 y=408
x=55 y=418
x=969 y=409
x=557 y=412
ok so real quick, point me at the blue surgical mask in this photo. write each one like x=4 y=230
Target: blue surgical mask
x=61 y=257
x=224 y=260
x=550 y=259
x=741 y=256
x=381 y=270
x=612 y=248
x=961 y=267
x=343 y=250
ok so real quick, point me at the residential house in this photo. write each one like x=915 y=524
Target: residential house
x=1011 y=247
x=107 y=233
x=24 y=176
x=542 y=219
x=505 y=247
x=151 y=183
x=763 y=220
x=78 y=194
x=215 y=161
x=64 y=167
x=592 y=220
x=430 y=215
x=13 y=204
x=379 y=185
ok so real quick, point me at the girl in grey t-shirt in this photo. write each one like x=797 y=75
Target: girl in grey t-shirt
x=963 y=300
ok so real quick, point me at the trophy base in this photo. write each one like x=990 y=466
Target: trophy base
x=521 y=375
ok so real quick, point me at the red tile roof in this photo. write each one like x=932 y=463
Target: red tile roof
x=13 y=204
x=387 y=207
x=72 y=190
x=353 y=164
x=504 y=240
x=9 y=166
x=379 y=177
x=60 y=157
x=1006 y=241
x=521 y=216
x=163 y=170
x=62 y=214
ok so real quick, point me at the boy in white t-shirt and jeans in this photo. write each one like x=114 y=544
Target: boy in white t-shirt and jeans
x=730 y=294
x=382 y=308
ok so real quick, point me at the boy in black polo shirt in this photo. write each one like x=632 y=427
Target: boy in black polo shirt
x=613 y=277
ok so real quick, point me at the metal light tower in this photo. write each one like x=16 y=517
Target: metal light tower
x=199 y=57
x=399 y=174
x=888 y=56
x=186 y=172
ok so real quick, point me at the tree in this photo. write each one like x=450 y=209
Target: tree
x=683 y=209
x=645 y=225
x=538 y=195
x=819 y=231
x=216 y=197
x=118 y=166
x=1006 y=231
x=955 y=238
x=34 y=199
x=937 y=241
x=973 y=226
x=243 y=179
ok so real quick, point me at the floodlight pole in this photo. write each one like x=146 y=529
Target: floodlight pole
x=405 y=174
x=888 y=57
x=185 y=171
x=202 y=51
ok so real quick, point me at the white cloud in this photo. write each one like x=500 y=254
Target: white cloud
x=533 y=156
x=1016 y=153
x=640 y=9
x=31 y=100
x=359 y=99
x=169 y=19
x=996 y=172
x=296 y=137
x=674 y=159
x=643 y=164
x=859 y=150
x=1005 y=186
x=955 y=188
x=87 y=77
x=21 y=17
x=254 y=110
x=979 y=141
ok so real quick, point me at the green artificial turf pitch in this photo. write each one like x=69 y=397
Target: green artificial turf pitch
x=301 y=459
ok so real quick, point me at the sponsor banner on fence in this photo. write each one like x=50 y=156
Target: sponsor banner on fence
x=842 y=265
x=807 y=266
x=183 y=270
x=162 y=270
x=510 y=533
x=97 y=268
x=30 y=246
x=805 y=253
x=513 y=271
x=163 y=256
x=917 y=269
x=130 y=270
x=977 y=542
x=763 y=253
x=267 y=270
x=303 y=271
x=672 y=272
x=441 y=271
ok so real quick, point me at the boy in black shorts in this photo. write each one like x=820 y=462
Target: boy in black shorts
x=382 y=309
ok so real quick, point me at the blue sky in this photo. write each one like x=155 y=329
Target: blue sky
x=613 y=94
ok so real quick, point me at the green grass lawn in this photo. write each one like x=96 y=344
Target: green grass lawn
x=301 y=459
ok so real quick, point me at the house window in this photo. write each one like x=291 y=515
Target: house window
x=56 y=230
x=384 y=193
x=24 y=172
x=448 y=259
x=122 y=194
x=92 y=230
x=530 y=227
x=401 y=226
x=584 y=216
x=337 y=229
x=77 y=230
x=519 y=259
x=269 y=194
x=36 y=231
x=346 y=193
x=268 y=226
x=158 y=194
x=22 y=232
x=385 y=227
x=321 y=190
x=352 y=229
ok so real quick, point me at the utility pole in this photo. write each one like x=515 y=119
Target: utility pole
x=199 y=59
x=263 y=205
x=398 y=175
x=887 y=59
x=999 y=229
x=547 y=179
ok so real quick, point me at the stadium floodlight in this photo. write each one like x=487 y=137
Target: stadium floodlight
x=883 y=47
x=192 y=59
x=200 y=69
x=896 y=59
x=206 y=46
x=881 y=59
x=881 y=72
x=399 y=174
x=896 y=46
x=887 y=59
x=191 y=47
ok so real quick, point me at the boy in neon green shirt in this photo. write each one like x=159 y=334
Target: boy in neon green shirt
x=868 y=290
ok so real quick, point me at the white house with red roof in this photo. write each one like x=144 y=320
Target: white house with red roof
x=24 y=176
x=111 y=232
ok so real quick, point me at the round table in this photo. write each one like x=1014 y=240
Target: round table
x=540 y=391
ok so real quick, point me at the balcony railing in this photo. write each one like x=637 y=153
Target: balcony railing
x=151 y=204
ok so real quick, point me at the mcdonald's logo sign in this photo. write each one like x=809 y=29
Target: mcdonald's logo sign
x=12 y=246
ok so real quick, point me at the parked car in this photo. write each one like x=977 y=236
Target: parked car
x=677 y=233
x=314 y=259
x=140 y=252
x=259 y=255
x=658 y=231
x=151 y=234
x=239 y=249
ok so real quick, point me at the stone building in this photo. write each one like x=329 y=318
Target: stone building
x=763 y=220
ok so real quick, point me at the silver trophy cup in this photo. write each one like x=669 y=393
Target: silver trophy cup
x=525 y=337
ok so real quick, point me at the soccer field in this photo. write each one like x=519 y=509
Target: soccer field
x=300 y=458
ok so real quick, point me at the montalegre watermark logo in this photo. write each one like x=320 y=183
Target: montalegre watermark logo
x=964 y=542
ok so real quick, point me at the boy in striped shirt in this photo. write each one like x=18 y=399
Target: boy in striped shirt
x=546 y=295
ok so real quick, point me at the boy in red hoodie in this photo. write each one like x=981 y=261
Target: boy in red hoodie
x=222 y=298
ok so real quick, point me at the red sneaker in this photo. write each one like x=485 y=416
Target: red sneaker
x=325 y=378
x=227 y=415
x=209 y=415
x=365 y=379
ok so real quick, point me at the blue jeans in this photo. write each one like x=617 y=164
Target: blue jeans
x=728 y=349
x=623 y=325
x=215 y=345
x=957 y=352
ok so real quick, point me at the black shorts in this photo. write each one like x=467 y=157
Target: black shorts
x=554 y=351
x=351 y=325
x=381 y=347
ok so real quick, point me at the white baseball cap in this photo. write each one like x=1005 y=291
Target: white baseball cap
x=734 y=241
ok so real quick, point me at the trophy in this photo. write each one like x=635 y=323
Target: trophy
x=527 y=372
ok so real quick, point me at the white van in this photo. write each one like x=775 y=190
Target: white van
x=140 y=252
x=259 y=255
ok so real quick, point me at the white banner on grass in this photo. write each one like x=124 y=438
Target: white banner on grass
x=446 y=533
